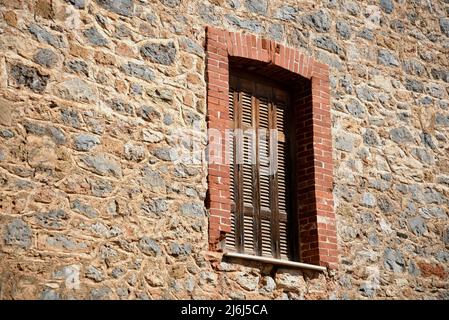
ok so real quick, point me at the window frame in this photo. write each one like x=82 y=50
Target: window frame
x=314 y=179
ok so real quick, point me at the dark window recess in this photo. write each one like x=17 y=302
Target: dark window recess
x=262 y=213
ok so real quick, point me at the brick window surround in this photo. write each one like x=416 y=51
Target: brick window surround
x=314 y=168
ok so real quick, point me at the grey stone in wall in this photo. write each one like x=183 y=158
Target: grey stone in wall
x=355 y=108
x=401 y=135
x=171 y=3
x=191 y=46
x=149 y=246
x=252 y=25
x=328 y=44
x=343 y=29
x=53 y=219
x=78 y=66
x=18 y=233
x=414 y=85
x=417 y=225
x=138 y=70
x=85 y=142
x=84 y=208
x=46 y=58
x=393 y=260
x=440 y=74
x=159 y=53
x=42 y=35
x=286 y=13
x=192 y=208
x=94 y=274
x=320 y=21
x=177 y=249
x=444 y=25
x=103 y=164
x=79 y=4
x=70 y=117
x=257 y=6
x=76 y=90
x=387 y=6
x=121 y=7
x=387 y=58
x=29 y=77
x=95 y=37
x=276 y=32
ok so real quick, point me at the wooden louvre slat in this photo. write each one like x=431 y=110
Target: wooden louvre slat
x=260 y=210
x=248 y=234
x=266 y=237
x=283 y=240
x=281 y=163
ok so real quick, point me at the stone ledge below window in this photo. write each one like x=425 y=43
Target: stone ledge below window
x=278 y=262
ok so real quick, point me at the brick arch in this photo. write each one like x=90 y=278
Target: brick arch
x=318 y=242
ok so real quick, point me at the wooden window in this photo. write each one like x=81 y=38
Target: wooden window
x=260 y=152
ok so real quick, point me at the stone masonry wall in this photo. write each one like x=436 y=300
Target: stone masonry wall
x=95 y=204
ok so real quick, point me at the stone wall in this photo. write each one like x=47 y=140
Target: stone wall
x=95 y=204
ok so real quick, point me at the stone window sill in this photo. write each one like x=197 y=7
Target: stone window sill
x=279 y=262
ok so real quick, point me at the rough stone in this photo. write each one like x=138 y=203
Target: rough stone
x=121 y=7
x=319 y=20
x=78 y=66
x=343 y=29
x=53 y=219
x=368 y=200
x=149 y=246
x=159 y=53
x=401 y=135
x=192 y=208
x=328 y=44
x=134 y=152
x=248 y=282
x=95 y=37
x=191 y=46
x=257 y=6
x=94 y=274
x=414 y=67
x=417 y=225
x=84 y=208
x=46 y=58
x=76 y=90
x=180 y=249
x=365 y=93
x=286 y=13
x=102 y=164
x=138 y=70
x=371 y=138
x=171 y=3
x=355 y=108
x=42 y=35
x=386 y=58
x=444 y=26
x=440 y=74
x=414 y=85
x=166 y=154
x=344 y=143
x=29 y=77
x=156 y=206
x=393 y=260
x=442 y=120
x=79 y=4
x=366 y=34
x=18 y=233
x=387 y=6
x=85 y=142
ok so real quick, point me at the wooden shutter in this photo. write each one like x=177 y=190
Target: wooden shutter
x=260 y=210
